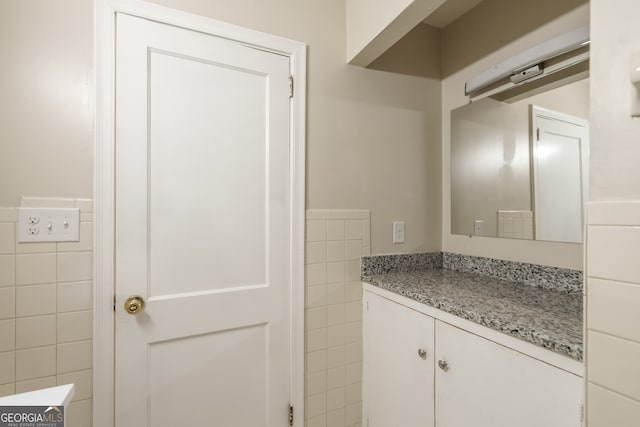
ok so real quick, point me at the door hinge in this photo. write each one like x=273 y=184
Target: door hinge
x=290 y=86
x=538 y=134
x=114 y=303
x=581 y=413
x=291 y=415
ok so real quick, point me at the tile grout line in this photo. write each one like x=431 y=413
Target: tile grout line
x=56 y=320
x=15 y=303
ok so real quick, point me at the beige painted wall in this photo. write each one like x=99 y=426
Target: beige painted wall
x=491 y=157
x=46 y=146
x=373 y=136
x=488 y=28
x=418 y=53
x=375 y=26
x=366 y=20
x=615 y=136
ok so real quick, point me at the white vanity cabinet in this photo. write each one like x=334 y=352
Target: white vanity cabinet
x=398 y=350
x=464 y=380
x=487 y=384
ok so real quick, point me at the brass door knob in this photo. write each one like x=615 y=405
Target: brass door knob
x=134 y=304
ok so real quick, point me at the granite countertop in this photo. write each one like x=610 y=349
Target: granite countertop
x=544 y=317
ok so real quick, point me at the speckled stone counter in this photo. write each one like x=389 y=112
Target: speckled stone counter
x=548 y=318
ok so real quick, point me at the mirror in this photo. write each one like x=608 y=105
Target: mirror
x=519 y=166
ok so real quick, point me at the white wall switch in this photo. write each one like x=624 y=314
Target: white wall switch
x=398 y=232
x=48 y=225
x=478 y=227
x=635 y=81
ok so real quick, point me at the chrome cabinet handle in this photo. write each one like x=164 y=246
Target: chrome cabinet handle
x=422 y=353
x=443 y=365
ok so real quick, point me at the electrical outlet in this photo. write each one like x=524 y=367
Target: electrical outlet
x=478 y=227
x=398 y=232
x=48 y=225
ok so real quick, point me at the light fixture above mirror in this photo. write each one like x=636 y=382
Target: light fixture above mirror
x=534 y=63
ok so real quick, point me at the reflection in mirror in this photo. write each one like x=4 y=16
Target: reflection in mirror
x=519 y=169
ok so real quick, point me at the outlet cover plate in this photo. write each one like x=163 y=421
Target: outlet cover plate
x=478 y=227
x=48 y=225
x=398 y=232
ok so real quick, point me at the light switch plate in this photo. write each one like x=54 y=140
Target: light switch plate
x=48 y=225
x=398 y=232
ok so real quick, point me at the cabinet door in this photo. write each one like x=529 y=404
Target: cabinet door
x=488 y=385
x=397 y=379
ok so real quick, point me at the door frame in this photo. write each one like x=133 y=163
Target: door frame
x=104 y=188
x=535 y=112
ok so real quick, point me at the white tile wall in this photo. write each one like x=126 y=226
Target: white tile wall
x=46 y=318
x=607 y=408
x=515 y=224
x=613 y=307
x=613 y=314
x=335 y=241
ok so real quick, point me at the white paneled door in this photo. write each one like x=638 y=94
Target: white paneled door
x=560 y=159
x=202 y=230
